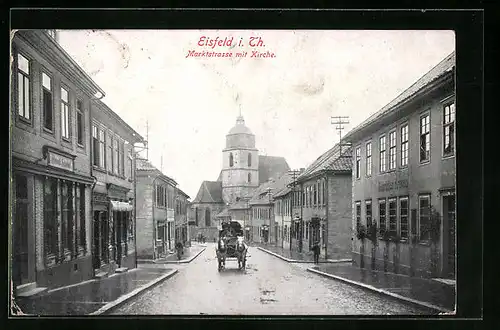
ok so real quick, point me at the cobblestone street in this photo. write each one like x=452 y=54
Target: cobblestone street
x=269 y=286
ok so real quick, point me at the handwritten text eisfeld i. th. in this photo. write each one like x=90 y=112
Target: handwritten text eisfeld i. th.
x=208 y=46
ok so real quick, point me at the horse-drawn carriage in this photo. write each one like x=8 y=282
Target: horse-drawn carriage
x=231 y=245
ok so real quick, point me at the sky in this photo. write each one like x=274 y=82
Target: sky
x=190 y=103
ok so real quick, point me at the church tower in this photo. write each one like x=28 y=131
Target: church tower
x=240 y=164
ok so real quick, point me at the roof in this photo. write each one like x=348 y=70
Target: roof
x=223 y=214
x=240 y=127
x=183 y=193
x=240 y=205
x=145 y=165
x=104 y=106
x=330 y=160
x=261 y=195
x=220 y=176
x=441 y=69
x=209 y=192
x=271 y=167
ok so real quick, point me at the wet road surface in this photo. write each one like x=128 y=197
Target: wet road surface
x=269 y=286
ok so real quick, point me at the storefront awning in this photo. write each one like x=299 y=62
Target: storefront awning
x=120 y=206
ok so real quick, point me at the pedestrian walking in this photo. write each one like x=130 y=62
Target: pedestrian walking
x=316 y=251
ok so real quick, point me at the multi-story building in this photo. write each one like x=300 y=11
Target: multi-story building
x=404 y=179
x=155 y=202
x=113 y=196
x=322 y=205
x=51 y=179
x=181 y=217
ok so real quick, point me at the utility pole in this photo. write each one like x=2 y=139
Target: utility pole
x=339 y=121
x=147 y=139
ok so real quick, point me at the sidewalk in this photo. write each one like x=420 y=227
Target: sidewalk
x=428 y=293
x=95 y=296
x=293 y=256
x=190 y=253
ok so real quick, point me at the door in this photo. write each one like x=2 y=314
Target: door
x=449 y=219
x=97 y=240
x=104 y=237
x=21 y=232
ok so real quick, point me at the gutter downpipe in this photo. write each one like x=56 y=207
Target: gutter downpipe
x=326 y=212
x=91 y=163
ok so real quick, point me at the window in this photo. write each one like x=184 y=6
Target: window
x=121 y=158
x=231 y=159
x=403 y=217
x=425 y=139
x=196 y=215
x=382 y=214
x=392 y=150
x=358 y=162
x=249 y=159
x=392 y=216
x=449 y=129
x=115 y=160
x=358 y=214
x=21 y=224
x=249 y=177
x=315 y=194
x=207 y=217
x=368 y=159
x=95 y=145
x=404 y=145
x=51 y=239
x=368 y=214
x=102 y=149
x=65 y=129
x=424 y=206
x=80 y=128
x=47 y=102
x=23 y=87
x=382 y=160
x=131 y=165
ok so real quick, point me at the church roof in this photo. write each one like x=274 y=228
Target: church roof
x=271 y=167
x=240 y=127
x=209 y=192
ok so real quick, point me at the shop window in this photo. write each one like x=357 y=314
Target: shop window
x=47 y=102
x=425 y=139
x=403 y=217
x=23 y=87
x=449 y=129
x=67 y=216
x=392 y=216
x=65 y=120
x=382 y=214
x=424 y=206
x=382 y=154
x=82 y=241
x=368 y=213
x=51 y=239
x=368 y=159
x=358 y=214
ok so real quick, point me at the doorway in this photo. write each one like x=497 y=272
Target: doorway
x=23 y=269
x=449 y=219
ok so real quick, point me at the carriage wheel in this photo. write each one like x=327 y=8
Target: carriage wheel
x=243 y=265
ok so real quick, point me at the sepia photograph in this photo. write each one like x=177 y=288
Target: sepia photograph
x=232 y=172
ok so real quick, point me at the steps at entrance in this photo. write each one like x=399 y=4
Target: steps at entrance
x=100 y=275
x=29 y=290
x=121 y=270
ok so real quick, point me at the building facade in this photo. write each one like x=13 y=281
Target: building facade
x=155 y=208
x=113 y=196
x=181 y=217
x=322 y=205
x=51 y=177
x=404 y=180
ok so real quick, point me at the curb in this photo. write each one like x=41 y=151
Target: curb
x=183 y=261
x=124 y=298
x=383 y=292
x=328 y=261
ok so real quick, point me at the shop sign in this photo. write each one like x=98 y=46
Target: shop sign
x=391 y=185
x=60 y=161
